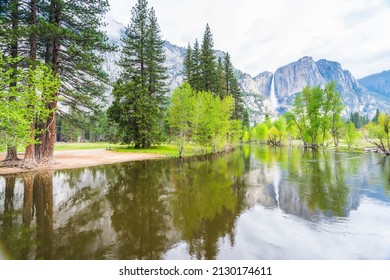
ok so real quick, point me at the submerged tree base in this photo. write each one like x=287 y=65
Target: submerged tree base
x=378 y=151
x=28 y=164
x=10 y=163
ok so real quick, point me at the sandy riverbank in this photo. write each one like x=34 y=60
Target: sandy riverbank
x=83 y=158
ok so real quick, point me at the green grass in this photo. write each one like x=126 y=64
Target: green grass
x=60 y=146
x=167 y=150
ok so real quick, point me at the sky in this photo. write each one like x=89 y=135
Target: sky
x=263 y=35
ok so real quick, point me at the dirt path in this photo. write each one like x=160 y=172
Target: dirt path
x=83 y=158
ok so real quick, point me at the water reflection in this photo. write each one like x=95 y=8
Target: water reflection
x=198 y=208
x=140 y=215
x=302 y=183
x=206 y=207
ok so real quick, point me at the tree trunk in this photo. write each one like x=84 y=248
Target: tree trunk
x=12 y=155
x=29 y=156
x=11 y=158
x=46 y=148
x=29 y=161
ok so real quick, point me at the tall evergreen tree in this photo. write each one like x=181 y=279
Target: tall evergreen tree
x=71 y=41
x=233 y=89
x=140 y=92
x=221 y=90
x=187 y=64
x=155 y=57
x=208 y=62
x=66 y=35
x=11 y=33
x=196 y=71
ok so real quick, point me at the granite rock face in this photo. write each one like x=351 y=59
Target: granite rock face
x=292 y=78
x=379 y=84
x=273 y=94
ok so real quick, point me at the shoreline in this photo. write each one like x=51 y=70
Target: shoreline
x=72 y=159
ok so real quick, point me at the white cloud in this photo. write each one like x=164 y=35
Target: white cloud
x=264 y=35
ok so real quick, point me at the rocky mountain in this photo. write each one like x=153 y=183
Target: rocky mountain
x=292 y=78
x=379 y=84
x=272 y=94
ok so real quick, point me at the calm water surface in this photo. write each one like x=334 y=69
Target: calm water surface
x=254 y=203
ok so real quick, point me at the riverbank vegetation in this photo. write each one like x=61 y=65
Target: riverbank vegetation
x=64 y=40
x=52 y=88
x=315 y=119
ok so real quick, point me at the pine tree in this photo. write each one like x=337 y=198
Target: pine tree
x=155 y=57
x=187 y=64
x=233 y=89
x=207 y=62
x=221 y=90
x=71 y=42
x=11 y=33
x=229 y=72
x=66 y=35
x=196 y=71
x=375 y=118
x=140 y=92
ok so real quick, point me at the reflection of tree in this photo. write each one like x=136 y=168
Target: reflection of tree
x=43 y=202
x=318 y=177
x=384 y=164
x=208 y=199
x=35 y=236
x=138 y=198
x=17 y=236
x=321 y=180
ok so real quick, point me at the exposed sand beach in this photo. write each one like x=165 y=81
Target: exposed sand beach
x=82 y=158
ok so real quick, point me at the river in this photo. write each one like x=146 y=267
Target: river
x=254 y=203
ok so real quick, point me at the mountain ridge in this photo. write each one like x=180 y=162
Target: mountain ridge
x=273 y=93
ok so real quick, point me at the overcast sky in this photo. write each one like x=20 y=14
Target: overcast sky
x=263 y=35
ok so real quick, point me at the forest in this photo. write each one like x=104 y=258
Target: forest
x=53 y=88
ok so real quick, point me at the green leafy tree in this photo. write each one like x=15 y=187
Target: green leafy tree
x=316 y=113
x=351 y=135
x=10 y=32
x=23 y=97
x=67 y=36
x=181 y=114
x=332 y=109
x=260 y=132
x=292 y=130
x=246 y=136
x=274 y=136
x=379 y=134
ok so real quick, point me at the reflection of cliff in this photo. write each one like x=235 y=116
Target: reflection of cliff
x=310 y=183
x=260 y=187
